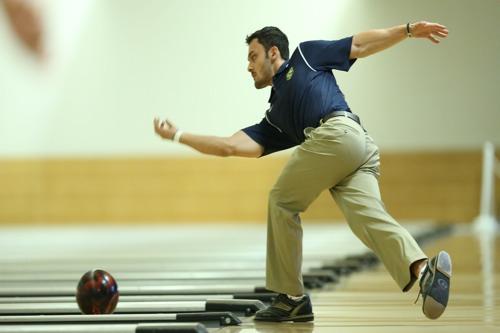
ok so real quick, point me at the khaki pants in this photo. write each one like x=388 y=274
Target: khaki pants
x=341 y=157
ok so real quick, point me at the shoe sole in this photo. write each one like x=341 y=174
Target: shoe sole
x=303 y=318
x=442 y=270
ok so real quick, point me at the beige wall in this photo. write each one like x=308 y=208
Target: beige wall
x=113 y=65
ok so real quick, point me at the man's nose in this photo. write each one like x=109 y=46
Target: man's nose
x=249 y=67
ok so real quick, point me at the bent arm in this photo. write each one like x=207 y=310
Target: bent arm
x=373 y=41
x=239 y=144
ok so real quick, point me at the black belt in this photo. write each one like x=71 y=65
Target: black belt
x=347 y=114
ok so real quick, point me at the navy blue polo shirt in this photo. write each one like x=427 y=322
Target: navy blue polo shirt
x=304 y=90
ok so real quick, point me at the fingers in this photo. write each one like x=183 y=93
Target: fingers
x=433 y=26
x=440 y=31
x=157 y=126
x=431 y=31
x=437 y=33
x=438 y=26
x=441 y=34
x=161 y=123
x=166 y=122
x=164 y=128
x=433 y=39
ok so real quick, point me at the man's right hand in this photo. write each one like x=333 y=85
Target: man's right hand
x=239 y=144
x=164 y=128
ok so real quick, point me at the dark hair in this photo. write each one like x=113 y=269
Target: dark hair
x=269 y=37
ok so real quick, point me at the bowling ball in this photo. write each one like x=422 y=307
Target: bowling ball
x=97 y=292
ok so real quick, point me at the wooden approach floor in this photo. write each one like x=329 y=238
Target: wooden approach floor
x=370 y=301
x=367 y=301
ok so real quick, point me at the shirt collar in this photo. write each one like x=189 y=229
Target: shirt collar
x=282 y=68
x=271 y=96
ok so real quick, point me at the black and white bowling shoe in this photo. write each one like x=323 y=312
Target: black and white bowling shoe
x=435 y=285
x=285 y=309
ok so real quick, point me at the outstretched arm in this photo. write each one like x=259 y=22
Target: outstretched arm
x=373 y=41
x=239 y=144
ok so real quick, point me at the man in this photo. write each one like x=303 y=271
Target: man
x=335 y=152
x=26 y=23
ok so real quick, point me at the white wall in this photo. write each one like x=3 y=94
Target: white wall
x=114 y=65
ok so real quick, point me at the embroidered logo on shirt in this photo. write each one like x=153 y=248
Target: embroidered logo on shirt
x=289 y=74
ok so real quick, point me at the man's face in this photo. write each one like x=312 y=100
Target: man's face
x=259 y=65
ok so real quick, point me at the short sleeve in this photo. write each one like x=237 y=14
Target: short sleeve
x=268 y=137
x=327 y=55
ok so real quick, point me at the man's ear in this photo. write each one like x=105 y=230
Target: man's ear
x=274 y=53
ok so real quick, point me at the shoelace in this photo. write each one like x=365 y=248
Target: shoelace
x=282 y=298
x=422 y=282
x=418 y=296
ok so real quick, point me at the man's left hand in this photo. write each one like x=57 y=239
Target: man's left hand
x=428 y=30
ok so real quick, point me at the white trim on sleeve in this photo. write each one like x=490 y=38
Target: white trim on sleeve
x=300 y=50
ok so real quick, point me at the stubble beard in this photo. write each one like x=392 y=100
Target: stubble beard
x=267 y=77
x=260 y=84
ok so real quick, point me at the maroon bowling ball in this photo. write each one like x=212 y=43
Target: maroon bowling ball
x=97 y=292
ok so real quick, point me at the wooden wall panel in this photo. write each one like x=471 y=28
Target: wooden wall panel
x=442 y=186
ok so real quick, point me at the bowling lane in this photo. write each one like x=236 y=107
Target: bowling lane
x=239 y=307
x=116 y=328
x=160 y=270
x=140 y=298
x=34 y=248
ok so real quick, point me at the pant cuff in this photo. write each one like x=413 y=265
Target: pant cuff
x=413 y=278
